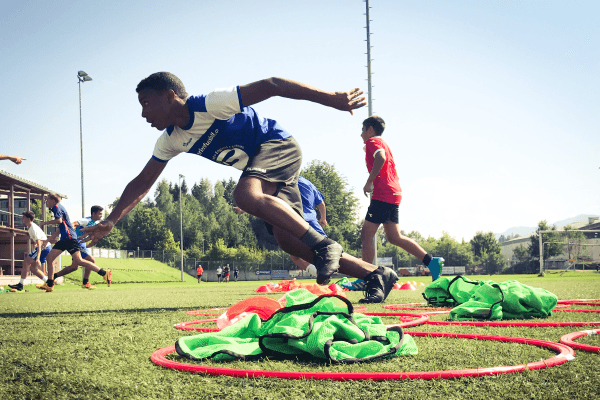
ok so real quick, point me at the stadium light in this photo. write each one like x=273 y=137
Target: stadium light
x=82 y=77
x=181 y=224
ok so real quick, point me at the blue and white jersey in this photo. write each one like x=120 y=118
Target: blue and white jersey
x=220 y=129
x=84 y=223
x=310 y=198
x=66 y=229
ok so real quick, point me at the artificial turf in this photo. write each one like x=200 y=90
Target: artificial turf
x=75 y=343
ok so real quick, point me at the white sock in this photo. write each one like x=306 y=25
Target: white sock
x=45 y=279
x=22 y=281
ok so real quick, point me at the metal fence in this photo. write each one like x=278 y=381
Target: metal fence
x=276 y=268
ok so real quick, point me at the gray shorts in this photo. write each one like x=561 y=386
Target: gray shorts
x=279 y=161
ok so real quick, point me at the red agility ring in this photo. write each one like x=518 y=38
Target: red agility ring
x=206 y=311
x=568 y=340
x=184 y=326
x=565 y=354
x=405 y=317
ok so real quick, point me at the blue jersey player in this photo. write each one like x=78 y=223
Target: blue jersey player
x=223 y=127
x=97 y=213
x=68 y=242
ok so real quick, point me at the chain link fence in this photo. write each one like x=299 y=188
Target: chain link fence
x=277 y=267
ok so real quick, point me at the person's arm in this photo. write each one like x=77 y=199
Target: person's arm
x=134 y=192
x=56 y=221
x=15 y=159
x=38 y=247
x=256 y=92
x=377 y=165
x=323 y=211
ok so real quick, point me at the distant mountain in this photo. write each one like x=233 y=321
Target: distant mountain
x=526 y=230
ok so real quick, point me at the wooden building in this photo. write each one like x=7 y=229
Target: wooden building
x=16 y=195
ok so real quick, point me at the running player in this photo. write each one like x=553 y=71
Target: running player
x=222 y=127
x=386 y=196
x=68 y=241
x=97 y=213
x=37 y=258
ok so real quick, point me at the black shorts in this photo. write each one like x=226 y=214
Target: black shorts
x=70 y=245
x=279 y=161
x=380 y=212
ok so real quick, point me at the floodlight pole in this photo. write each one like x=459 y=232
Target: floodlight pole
x=81 y=77
x=181 y=223
x=370 y=101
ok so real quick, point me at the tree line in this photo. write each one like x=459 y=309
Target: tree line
x=212 y=230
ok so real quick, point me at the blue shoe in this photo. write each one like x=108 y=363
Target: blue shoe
x=356 y=285
x=435 y=267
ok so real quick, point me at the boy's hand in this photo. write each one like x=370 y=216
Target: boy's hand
x=239 y=210
x=96 y=232
x=348 y=101
x=368 y=188
x=323 y=222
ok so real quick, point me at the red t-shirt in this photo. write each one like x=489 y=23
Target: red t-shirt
x=386 y=186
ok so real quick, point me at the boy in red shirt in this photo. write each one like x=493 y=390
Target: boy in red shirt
x=386 y=196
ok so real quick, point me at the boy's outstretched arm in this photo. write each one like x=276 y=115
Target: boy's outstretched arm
x=256 y=92
x=134 y=192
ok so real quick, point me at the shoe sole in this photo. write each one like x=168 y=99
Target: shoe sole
x=389 y=284
x=389 y=278
x=332 y=250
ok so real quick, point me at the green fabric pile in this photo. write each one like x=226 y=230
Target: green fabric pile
x=322 y=327
x=489 y=300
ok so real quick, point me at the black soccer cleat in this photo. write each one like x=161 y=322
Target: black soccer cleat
x=327 y=260
x=379 y=285
x=17 y=287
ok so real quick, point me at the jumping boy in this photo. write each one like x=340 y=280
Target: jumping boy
x=97 y=214
x=37 y=258
x=386 y=196
x=68 y=241
x=222 y=127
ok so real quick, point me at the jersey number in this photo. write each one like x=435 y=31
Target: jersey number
x=236 y=158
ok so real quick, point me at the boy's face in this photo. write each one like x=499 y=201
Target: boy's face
x=97 y=216
x=26 y=221
x=367 y=133
x=156 y=108
x=50 y=203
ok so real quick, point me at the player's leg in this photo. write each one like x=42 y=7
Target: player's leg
x=78 y=260
x=367 y=233
x=395 y=237
x=24 y=271
x=86 y=272
x=349 y=265
x=300 y=263
x=268 y=189
x=256 y=197
x=56 y=251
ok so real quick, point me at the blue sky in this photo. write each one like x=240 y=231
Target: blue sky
x=491 y=108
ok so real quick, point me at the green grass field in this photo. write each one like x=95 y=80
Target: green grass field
x=75 y=343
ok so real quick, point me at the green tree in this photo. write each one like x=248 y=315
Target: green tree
x=485 y=245
x=454 y=253
x=495 y=263
x=36 y=207
x=228 y=188
x=203 y=192
x=148 y=231
x=116 y=239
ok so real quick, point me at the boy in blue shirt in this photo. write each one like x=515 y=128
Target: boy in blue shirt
x=222 y=127
x=68 y=242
